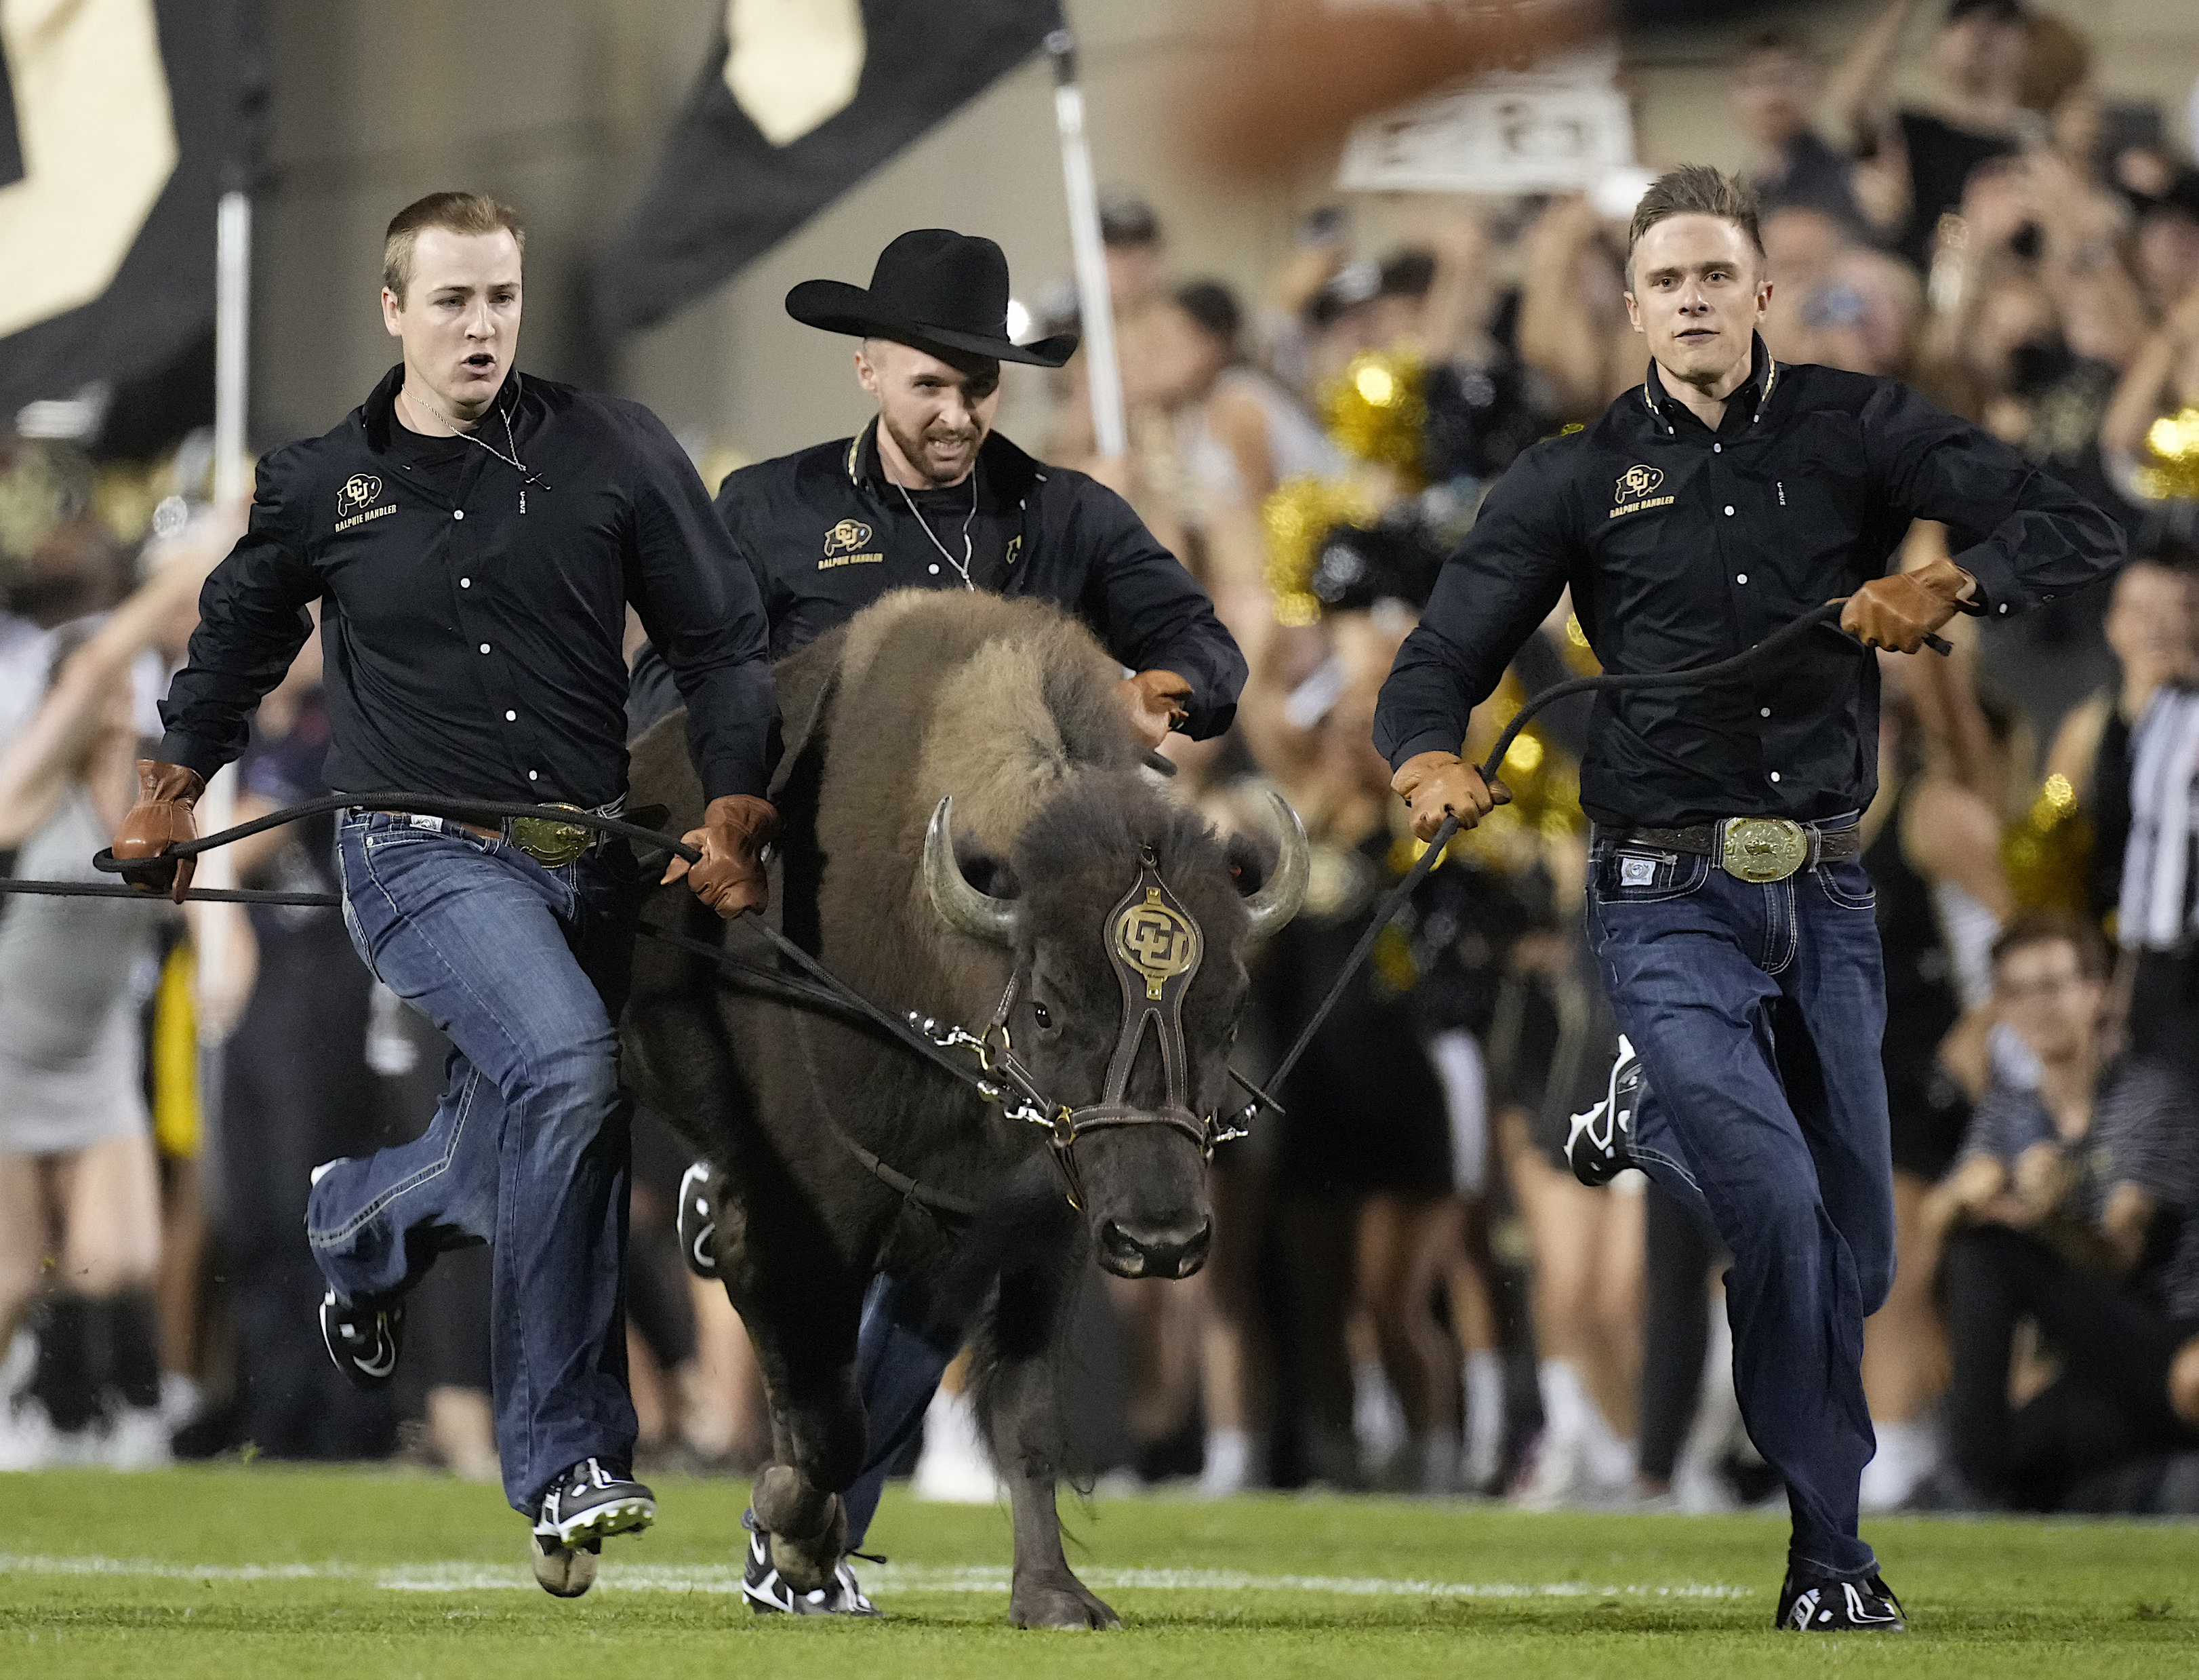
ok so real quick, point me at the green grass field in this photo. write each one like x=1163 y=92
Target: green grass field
x=234 y=1573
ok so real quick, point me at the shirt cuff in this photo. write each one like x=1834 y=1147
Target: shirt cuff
x=1999 y=592
x=192 y=753
x=1428 y=740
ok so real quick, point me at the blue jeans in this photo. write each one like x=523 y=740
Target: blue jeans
x=1757 y=1011
x=898 y=1366
x=525 y=968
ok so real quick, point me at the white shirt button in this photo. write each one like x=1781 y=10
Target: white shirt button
x=1774 y=775
x=457 y=513
x=1764 y=711
x=2003 y=606
x=513 y=717
x=933 y=569
x=1729 y=510
x=1741 y=577
x=535 y=775
x=465 y=583
x=1717 y=449
x=484 y=647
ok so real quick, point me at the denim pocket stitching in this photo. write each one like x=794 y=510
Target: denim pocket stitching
x=1868 y=901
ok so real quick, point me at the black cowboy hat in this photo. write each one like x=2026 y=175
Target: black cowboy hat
x=933 y=289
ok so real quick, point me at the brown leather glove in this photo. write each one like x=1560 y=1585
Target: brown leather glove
x=1152 y=699
x=1436 y=784
x=1898 y=612
x=730 y=878
x=161 y=818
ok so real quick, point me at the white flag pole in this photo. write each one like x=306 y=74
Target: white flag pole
x=1103 y=374
x=213 y=927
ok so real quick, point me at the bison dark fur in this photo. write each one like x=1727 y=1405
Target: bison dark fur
x=1010 y=707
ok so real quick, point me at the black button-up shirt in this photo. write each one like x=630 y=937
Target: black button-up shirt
x=825 y=533
x=1683 y=546
x=474 y=649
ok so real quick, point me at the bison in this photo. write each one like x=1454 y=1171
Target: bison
x=962 y=804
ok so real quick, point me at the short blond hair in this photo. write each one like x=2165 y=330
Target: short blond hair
x=1694 y=189
x=460 y=212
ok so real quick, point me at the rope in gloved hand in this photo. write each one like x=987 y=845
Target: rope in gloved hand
x=1387 y=911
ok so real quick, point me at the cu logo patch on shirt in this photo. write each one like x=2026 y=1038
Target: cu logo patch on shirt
x=355 y=500
x=1633 y=492
x=846 y=537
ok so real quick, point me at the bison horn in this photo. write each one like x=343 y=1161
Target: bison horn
x=960 y=905
x=1283 y=895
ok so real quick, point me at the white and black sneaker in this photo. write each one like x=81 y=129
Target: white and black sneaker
x=362 y=1341
x=768 y=1595
x=698 y=1221
x=1596 y=1147
x=1817 y=1604
x=587 y=1505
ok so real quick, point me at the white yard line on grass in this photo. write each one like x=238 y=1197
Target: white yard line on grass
x=453 y=1578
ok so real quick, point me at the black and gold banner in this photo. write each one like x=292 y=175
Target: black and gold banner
x=801 y=99
x=121 y=123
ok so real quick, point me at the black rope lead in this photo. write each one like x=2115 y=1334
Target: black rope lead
x=1387 y=911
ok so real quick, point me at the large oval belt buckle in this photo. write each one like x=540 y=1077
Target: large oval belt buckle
x=1764 y=849
x=552 y=844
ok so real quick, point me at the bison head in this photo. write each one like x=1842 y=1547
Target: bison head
x=1102 y=983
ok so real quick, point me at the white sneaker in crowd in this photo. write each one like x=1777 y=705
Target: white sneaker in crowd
x=136 y=1440
x=1228 y=1466
x=953 y=1468
x=1908 y=1455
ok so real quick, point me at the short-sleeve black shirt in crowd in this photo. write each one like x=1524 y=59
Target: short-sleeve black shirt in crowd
x=1683 y=546
x=473 y=624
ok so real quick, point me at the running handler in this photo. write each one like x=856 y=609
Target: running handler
x=929 y=496
x=473 y=538
x=1720 y=499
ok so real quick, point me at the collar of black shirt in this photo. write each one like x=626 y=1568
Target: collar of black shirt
x=379 y=412
x=1005 y=473
x=1741 y=408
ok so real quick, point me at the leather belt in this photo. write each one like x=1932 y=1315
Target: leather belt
x=550 y=843
x=1751 y=848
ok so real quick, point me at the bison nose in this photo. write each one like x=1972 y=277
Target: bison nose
x=1174 y=1249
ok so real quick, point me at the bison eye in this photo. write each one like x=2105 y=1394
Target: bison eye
x=1040 y=1015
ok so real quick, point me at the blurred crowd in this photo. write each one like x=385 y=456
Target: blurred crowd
x=1407 y=1290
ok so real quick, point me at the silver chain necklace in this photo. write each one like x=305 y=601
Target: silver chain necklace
x=511 y=460
x=961 y=566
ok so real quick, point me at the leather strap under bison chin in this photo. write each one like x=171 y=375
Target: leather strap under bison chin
x=1155 y=946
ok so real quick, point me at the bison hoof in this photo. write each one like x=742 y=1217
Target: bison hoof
x=1059 y=1602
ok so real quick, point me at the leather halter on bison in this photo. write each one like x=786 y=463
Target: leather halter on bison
x=963 y=805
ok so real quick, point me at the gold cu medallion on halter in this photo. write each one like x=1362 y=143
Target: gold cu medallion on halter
x=1159 y=942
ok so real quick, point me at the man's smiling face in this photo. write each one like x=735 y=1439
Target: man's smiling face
x=1698 y=295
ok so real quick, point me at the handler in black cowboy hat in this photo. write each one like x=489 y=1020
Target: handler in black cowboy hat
x=928 y=496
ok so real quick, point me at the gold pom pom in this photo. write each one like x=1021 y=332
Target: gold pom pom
x=2048 y=855
x=2171 y=472
x=1377 y=411
x=1296 y=515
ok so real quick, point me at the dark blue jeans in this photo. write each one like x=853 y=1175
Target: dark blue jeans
x=1757 y=1011
x=525 y=968
x=899 y=1367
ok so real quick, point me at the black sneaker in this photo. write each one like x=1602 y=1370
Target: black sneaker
x=698 y=1221
x=564 y=1572
x=1596 y=1147
x=587 y=1505
x=362 y=1341
x=1819 y=1604
x=769 y=1595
